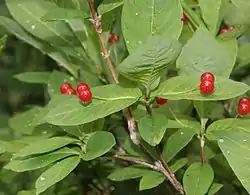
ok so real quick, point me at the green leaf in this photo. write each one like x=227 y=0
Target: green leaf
x=22 y=122
x=66 y=110
x=148 y=61
x=127 y=173
x=98 y=144
x=63 y=14
x=28 y=13
x=196 y=58
x=177 y=141
x=215 y=187
x=33 y=77
x=187 y=87
x=235 y=147
x=178 y=164
x=3 y=41
x=152 y=128
x=109 y=5
x=141 y=19
x=198 y=178
x=212 y=13
x=150 y=180
x=26 y=192
x=56 y=173
x=2 y=146
x=243 y=54
x=45 y=145
x=39 y=161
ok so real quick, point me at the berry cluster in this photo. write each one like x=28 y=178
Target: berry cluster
x=207 y=83
x=185 y=18
x=82 y=89
x=244 y=106
x=113 y=38
x=224 y=30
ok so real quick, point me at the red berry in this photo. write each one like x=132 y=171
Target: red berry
x=243 y=109
x=64 y=87
x=230 y=28
x=207 y=76
x=113 y=38
x=161 y=101
x=185 y=18
x=70 y=92
x=223 y=30
x=82 y=87
x=207 y=87
x=85 y=96
x=244 y=101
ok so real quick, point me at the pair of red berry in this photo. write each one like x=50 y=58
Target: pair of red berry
x=82 y=89
x=224 y=30
x=244 y=106
x=113 y=38
x=207 y=83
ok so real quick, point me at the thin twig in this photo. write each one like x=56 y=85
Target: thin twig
x=202 y=141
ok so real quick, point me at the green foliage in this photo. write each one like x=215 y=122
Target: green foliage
x=124 y=141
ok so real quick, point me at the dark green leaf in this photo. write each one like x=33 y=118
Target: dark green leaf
x=109 y=5
x=33 y=77
x=215 y=187
x=177 y=141
x=39 y=161
x=56 y=173
x=196 y=59
x=98 y=144
x=45 y=145
x=187 y=87
x=152 y=128
x=140 y=19
x=151 y=179
x=177 y=165
x=66 y=110
x=198 y=178
x=148 y=61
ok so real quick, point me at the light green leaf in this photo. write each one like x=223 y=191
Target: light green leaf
x=28 y=13
x=56 y=173
x=212 y=13
x=178 y=164
x=33 y=77
x=98 y=144
x=152 y=128
x=148 y=61
x=66 y=110
x=198 y=178
x=203 y=53
x=215 y=187
x=39 y=161
x=45 y=145
x=150 y=180
x=22 y=122
x=141 y=19
x=26 y=192
x=109 y=5
x=177 y=141
x=3 y=41
x=187 y=87
x=243 y=54
x=2 y=146
x=235 y=146
x=127 y=173
x=63 y=14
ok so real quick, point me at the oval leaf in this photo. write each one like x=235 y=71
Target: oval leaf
x=33 y=77
x=198 y=178
x=56 y=173
x=151 y=179
x=140 y=19
x=152 y=128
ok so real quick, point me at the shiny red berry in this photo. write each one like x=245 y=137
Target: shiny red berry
x=230 y=28
x=82 y=87
x=244 y=101
x=113 y=38
x=207 y=87
x=185 y=18
x=243 y=108
x=64 y=87
x=85 y=96
x=207 y=76
x=70 y=92
x=161 y=101
x=223 y=30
